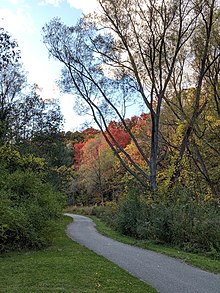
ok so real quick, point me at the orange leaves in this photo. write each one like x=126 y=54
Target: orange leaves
x=77 y=153
x=90 y=132
x=142 y=126
x=94 y=142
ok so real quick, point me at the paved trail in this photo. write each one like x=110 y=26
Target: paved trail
x=165 y=274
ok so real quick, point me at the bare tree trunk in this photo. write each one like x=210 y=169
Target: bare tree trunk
x=200 y=163
x=197 y=109
x=154 y=151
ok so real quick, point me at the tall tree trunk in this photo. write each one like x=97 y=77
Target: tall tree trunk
x=154 y=150
x=196 y=108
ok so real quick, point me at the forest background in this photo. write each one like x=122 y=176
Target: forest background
x=153 y=176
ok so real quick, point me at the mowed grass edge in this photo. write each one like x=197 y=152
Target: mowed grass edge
x=197 y=260
x=65 y=267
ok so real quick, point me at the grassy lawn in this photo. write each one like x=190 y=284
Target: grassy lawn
x=199 y=261
x=65 y=267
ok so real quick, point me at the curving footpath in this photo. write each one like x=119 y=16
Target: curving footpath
x=166 y=274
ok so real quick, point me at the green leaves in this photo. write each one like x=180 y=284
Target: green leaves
x=13 y=160
x=29 y=210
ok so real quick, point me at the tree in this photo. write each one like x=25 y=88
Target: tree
x=29 y=123
x=131 y=53
x=78 y=140
x=12 y=79
x=118 y=132
x=96 y=169
x=31 y=149
x=9 y=52
x=201 y=157
x=203 y=61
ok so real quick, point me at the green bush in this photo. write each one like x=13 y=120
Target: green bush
x=128 y=217
x=107 y=213
x=29 y=208
x=196 y=226
x=184 y=221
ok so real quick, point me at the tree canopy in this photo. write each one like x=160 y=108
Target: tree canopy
x=144 y=52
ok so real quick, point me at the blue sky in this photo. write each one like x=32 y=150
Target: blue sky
x=24 y=20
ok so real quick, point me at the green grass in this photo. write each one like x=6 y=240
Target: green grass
x=196 y=260
x=65 y=267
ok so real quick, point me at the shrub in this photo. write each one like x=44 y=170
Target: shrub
x=107 y=213
x=29 y=208
x=184 y=221
x=133 y=216
x=196 y=226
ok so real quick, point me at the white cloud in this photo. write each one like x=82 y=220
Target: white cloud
x=86 y=6
x=55 y=3
x=20 y=25
x=16 y=2
x=16 y=22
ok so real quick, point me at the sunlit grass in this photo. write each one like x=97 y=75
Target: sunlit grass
x=65 y=267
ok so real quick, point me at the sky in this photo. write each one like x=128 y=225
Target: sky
x=24 y=20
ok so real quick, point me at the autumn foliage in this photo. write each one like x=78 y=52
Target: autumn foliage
x=119 y=134
x=77 y=153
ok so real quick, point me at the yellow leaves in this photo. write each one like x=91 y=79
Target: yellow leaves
x=208 y=196
x=213 y=120
x=13 y=159
x=181 y=129
x=7 y=153
x=35 y=163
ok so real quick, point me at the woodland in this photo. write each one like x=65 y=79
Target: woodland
x=155 y=175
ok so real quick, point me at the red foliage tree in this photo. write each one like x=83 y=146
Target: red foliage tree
x=90 y=132
x=78 y=153
x=119 y=134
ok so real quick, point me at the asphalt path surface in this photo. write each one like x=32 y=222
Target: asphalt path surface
x=166 y=274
